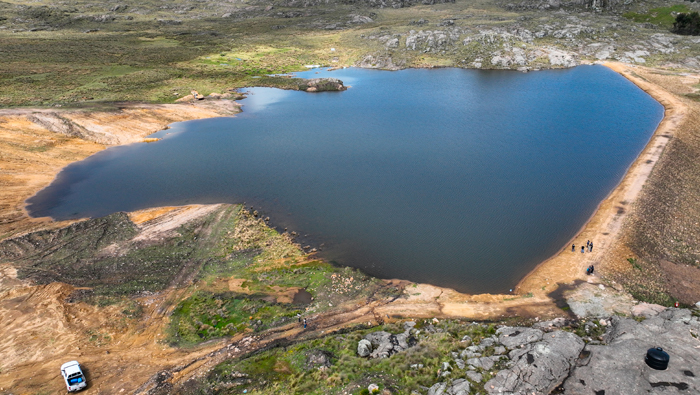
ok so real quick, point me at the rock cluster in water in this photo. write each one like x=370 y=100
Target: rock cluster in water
x=322 y=85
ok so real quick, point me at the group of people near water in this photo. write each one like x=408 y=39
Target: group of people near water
x=589 y=247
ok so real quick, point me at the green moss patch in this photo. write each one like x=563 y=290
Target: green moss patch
x=662 y=16
x=204 y=316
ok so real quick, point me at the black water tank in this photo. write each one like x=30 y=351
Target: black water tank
x=657 y=358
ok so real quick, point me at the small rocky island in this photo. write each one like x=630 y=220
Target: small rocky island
x=321 y=85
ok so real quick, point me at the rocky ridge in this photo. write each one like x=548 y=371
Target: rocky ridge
x=576 y=40
x=605 y=356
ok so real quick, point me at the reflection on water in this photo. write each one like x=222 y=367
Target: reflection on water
x=262 y=101
x=460 y=178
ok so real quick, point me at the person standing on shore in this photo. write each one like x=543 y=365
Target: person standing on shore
x=583 y=249
x=588 y=242
x=590 y=248
x=573 y=247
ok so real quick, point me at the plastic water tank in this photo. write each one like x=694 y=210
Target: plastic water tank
x=657 y=358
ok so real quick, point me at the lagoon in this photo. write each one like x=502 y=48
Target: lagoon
x=460 y=178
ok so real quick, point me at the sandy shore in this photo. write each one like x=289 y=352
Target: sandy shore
x=36 y=144
x=27 y=168
x=604 y=227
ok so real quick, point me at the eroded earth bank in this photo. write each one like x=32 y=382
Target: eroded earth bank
x=208 y=299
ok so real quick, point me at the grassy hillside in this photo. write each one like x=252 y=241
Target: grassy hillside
x=80 y=52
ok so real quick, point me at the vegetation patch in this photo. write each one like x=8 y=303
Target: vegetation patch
x=662 y=16
x=289 y=370
x=687 y=24
x=204 y=316
x=588 y=330
x=100 y=254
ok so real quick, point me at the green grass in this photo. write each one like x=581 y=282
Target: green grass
x=142 y=59
x=693 y=96
x=662 y=16
x=592 y=331
x=634 y=263
x=204 y=316
x=49 y=59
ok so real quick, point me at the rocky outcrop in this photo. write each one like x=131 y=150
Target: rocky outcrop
x=524 y=361
x=360 y=19
x=384 y=344
x=322 y=85
x=59 y=124
x=400 y=3
x=455 y=387
x=549 y=355
x=378 y=62
x=597 y=5
x=563 y=43
x=538 y=364
x=619 y=368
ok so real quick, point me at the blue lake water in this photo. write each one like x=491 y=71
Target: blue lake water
x=459 y=178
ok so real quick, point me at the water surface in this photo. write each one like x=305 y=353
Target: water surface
x=460 y=178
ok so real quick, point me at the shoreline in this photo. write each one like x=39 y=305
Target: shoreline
x=606 y=222
x=554 y=271
x=37 y=144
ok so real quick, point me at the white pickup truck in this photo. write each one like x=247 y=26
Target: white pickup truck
x=73 y=375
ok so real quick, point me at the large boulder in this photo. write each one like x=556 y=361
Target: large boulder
x=318 y=359
x=618 y=368
x=456 y=387
x=647 y=310
x=364 y=348
x=322 y=85
x=537 y=367
x=386 y=344
x=518 y=336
